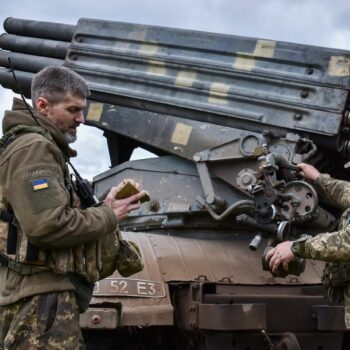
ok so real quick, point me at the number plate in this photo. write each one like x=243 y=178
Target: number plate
x=129 y=287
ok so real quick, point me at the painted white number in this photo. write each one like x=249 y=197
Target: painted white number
x=130 y=287
x=123 y=287
x=141 y=288
x=119 y=287
x=152 y=289
x=146 y=288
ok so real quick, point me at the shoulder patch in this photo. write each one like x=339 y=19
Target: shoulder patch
x=40 y=184
x=37 y=173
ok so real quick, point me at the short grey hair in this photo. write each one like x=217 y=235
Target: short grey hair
x=53 y=83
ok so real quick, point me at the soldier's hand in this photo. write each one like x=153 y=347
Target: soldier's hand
x=280 y=255
x=308 y=171
x=122 y=207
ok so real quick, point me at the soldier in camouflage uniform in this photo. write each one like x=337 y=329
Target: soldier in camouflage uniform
x=59 y=248
x=332 y=247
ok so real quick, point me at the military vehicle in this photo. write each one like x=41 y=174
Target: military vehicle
x=229 y=118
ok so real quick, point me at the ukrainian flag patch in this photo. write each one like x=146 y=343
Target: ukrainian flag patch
x=40 y=184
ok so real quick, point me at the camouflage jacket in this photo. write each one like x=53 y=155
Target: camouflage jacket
x=331 y=246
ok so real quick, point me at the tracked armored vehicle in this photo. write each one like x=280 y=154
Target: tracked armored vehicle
x=229 y=118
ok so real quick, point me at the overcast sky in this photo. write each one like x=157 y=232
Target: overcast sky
x=315 y=22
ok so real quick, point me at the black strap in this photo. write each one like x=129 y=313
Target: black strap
x=5 y=215
x=12 y=239
x=32 y=252
x=4 y=260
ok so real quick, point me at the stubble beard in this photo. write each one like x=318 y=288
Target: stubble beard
x=69 y=137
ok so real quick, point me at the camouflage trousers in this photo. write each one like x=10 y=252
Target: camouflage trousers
x=45 y=321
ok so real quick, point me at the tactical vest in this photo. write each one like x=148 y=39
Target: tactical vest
x=92 y=261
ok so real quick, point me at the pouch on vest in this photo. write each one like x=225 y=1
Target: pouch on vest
x=109 y=246
x=129 y=259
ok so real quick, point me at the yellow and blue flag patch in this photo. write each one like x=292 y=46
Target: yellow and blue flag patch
x=40 y=184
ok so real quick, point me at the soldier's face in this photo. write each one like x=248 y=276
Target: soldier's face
x=67 y=114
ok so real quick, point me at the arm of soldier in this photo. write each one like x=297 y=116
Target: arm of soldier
x=331 y=247
x=34 y=185
x=333 y=191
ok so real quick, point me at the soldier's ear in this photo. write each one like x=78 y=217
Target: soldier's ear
x=42 y=105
